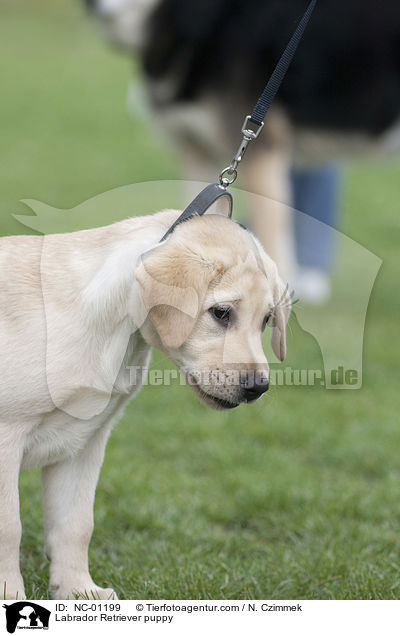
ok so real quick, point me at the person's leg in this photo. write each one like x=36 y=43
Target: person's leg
x=316 y=195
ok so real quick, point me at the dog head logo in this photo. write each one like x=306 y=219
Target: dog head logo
x=26 y=615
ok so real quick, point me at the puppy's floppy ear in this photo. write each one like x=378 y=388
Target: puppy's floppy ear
x=173 y=282
x=281 y=314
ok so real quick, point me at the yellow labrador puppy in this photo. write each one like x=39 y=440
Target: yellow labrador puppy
x=77 y=312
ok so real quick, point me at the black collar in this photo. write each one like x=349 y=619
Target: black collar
x=201 y=204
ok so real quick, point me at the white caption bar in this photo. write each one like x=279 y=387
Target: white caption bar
x=197 y=617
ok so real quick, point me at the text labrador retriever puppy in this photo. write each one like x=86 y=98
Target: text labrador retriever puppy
x=77 y=312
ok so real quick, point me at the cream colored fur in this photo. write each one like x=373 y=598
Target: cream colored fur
x=77 y=311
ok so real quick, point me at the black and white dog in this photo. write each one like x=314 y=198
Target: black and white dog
x=206 y=63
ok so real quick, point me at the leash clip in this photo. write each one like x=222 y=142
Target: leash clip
x=248 y=132
x=229 y=174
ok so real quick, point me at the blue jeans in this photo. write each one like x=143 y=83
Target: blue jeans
x=316 y=192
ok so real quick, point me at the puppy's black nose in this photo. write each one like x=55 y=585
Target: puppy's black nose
x=254 y=385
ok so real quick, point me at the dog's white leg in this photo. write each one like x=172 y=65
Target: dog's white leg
x=11 y=583
x=68 y=498
x=267 y=173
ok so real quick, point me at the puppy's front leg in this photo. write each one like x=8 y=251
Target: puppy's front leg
x=68 y=498
x=11 y=583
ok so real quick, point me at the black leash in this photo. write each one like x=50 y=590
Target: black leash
x=214 y=191
x=274 y=82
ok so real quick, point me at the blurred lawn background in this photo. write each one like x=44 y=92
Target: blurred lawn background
x=296 y=496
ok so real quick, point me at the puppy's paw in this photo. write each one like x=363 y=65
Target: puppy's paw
x=87 y=592
x=12 y=588
x=98 y=593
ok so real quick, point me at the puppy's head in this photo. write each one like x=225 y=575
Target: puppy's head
x=209 y=292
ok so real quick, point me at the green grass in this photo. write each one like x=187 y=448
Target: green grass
x=294 y=497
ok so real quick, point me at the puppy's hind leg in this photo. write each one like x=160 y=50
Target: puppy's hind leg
x=11 y=583
x=68 y=498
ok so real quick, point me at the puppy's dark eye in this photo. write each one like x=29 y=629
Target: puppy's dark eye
x=265 y=321
x=222 y=315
